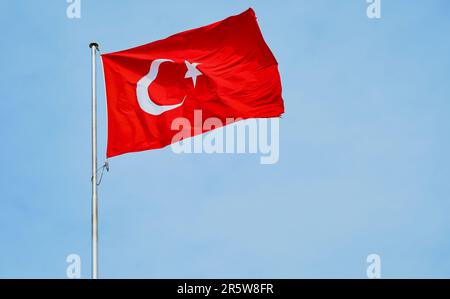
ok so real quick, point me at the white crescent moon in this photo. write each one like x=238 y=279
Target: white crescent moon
x=145 y=102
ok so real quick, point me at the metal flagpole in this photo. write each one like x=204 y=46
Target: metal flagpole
x=94 y=49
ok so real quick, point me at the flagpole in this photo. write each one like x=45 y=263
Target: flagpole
x=94 y=273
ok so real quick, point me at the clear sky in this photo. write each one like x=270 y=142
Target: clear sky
x=364 y=152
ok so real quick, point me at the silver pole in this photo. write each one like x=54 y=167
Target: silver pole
x=94 y=49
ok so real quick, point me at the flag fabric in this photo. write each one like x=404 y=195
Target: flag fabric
x=225 y=69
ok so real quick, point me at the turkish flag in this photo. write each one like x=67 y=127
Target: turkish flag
x=225 y=69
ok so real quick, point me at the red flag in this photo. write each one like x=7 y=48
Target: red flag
x=224 y=69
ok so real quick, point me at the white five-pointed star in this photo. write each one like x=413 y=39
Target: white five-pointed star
x=192 y=71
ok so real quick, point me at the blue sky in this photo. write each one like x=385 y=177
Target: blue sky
x=364 y=164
